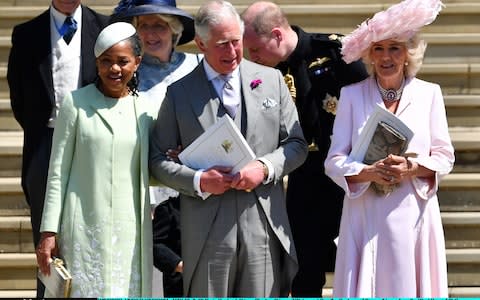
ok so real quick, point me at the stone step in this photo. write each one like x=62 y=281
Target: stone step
x=464 y=292
x=17 y=271
x=466 y=47
x=7 y=120
x=10 y=153
x=11 y=142
x=463 y=110
x=460 y=192
x=12 y=201
x=463 y=267
x=16 y=234
x=461 y=78
x=322 y=16
x=453 y=292
x=462 y=229
x=465 y=138
x=460 y=181
x=458 y=200
x=19 y=294
x=456 y=17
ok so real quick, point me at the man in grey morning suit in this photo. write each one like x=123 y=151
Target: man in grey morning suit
x=237 y=242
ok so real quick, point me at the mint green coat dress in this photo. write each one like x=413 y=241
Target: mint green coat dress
x=97 y=198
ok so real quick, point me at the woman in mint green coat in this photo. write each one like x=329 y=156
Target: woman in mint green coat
x=97 y=207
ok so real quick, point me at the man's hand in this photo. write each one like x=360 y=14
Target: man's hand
x=249 y=177
x=179 y=268
x=45 y=250
x=216 y=180
x=172 y=154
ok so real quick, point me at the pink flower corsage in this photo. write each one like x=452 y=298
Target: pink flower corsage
x=255 y=83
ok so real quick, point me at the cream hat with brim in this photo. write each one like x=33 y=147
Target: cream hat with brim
x=111 y=35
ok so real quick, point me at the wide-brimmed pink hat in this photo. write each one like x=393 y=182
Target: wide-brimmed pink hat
x=400 y=21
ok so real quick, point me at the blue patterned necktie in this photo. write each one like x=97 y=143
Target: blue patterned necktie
x=69 y=28
x=229 y=97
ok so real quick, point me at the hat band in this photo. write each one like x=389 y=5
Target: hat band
x=157 y=2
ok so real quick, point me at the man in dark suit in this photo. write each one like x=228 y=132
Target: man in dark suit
x=50 y=55
x=236 y=242
x=315 y=72
x=166 y=246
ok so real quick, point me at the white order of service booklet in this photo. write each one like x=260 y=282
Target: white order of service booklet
x=222 y=144
x=379 y=116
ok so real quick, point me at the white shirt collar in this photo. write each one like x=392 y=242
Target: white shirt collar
x=59 y=18
x=212 y=74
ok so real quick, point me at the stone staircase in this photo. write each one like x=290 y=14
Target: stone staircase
x=452 y=60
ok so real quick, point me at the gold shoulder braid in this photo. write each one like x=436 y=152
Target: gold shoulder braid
x=289 y=80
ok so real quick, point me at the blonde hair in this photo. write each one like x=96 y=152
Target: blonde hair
x=173 y=22
x=415 y=52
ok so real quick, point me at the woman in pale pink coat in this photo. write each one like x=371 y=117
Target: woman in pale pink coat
x=391 y=244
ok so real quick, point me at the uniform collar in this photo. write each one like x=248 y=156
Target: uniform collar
x=302 y=50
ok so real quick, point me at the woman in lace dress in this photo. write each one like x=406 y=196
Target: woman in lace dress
x=161 y=27
x=97 y=208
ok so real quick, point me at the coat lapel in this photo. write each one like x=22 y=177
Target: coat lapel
x=102 y=107
x=204 y=102
x=407 y=97
x=252 y=96
x=44 y=52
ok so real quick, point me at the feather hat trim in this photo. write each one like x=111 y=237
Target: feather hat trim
x=401 y=20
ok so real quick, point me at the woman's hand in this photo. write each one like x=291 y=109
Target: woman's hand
x=387 y=171
x=398 y=168
x=45 y=250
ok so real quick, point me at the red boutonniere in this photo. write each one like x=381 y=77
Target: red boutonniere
x=255 y=83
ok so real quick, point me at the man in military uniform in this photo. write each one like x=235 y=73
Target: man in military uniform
x=315 y=72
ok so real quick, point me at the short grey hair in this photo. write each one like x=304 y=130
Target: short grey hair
x=213 y=13
x=173 y=22
x=415 y=52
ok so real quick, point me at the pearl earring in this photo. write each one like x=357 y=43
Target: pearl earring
x=406 y=63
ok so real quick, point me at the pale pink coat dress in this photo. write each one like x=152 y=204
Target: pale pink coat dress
x=391 y=246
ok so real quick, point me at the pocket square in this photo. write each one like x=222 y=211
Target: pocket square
x=269 y=103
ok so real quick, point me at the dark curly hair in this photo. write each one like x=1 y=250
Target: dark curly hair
x=137 y=48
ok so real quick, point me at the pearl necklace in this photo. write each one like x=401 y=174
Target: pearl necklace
x=391 y=95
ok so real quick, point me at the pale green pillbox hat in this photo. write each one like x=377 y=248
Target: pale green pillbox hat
x=111 y=35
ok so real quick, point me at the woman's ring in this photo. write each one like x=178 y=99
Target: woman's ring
x=392 y=179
